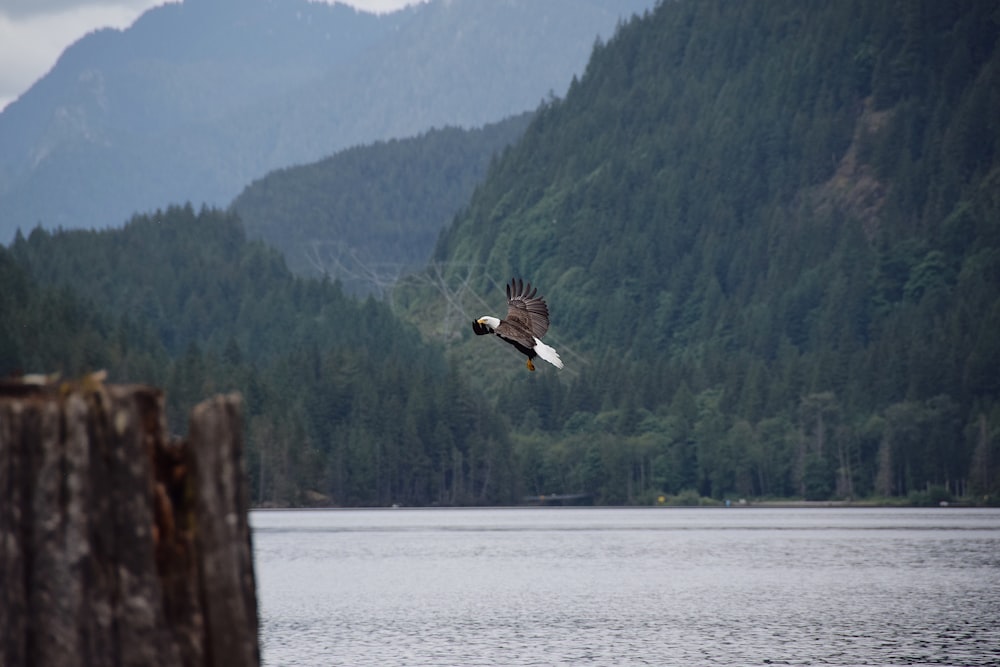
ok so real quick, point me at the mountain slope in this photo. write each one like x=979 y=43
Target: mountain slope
x=367 y=215
x=128 y=121
x=768 y=235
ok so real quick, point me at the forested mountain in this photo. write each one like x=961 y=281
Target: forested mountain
x=199 y=97
x=769 y=234
x=369 y=214
x=342 y=404
x=46 y=329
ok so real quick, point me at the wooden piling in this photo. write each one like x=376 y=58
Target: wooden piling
x=120 y=545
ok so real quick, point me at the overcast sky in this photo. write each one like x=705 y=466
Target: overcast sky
x=33 y=33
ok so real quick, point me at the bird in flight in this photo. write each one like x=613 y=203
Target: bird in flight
x=526 y=322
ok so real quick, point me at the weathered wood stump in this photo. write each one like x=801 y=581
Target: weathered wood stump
x=118 y=544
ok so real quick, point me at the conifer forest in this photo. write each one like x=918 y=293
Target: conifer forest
x=768 y=234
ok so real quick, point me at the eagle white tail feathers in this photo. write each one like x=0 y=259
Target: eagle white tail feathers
x=547 y=353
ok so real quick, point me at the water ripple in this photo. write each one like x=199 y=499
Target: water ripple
x=568 y=587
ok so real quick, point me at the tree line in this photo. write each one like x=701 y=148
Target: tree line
x=343 y=405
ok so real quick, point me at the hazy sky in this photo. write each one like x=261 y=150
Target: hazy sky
x=33 y=33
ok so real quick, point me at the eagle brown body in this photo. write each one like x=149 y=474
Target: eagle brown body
x=526 y=322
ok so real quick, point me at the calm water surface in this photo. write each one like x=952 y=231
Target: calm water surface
x=569 y=586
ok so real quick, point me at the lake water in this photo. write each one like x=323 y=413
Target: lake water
x=652 y=586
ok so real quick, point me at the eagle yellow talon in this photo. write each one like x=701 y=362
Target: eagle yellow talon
x=531 y=366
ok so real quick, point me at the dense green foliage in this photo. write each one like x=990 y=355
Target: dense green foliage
x=339 y=407
x=45 y=329
x=368 y=214
x=770 y=235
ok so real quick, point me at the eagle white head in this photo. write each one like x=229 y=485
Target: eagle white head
x=490 y=321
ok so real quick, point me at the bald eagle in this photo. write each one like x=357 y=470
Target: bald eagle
x=526 y=323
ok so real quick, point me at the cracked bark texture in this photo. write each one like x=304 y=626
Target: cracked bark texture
x=120 y=545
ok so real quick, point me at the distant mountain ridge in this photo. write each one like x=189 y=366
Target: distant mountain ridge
x=197 y=99
x=367 y=215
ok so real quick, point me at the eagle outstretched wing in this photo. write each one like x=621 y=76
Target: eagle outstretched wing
x=526 y=311
x=527 y=321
